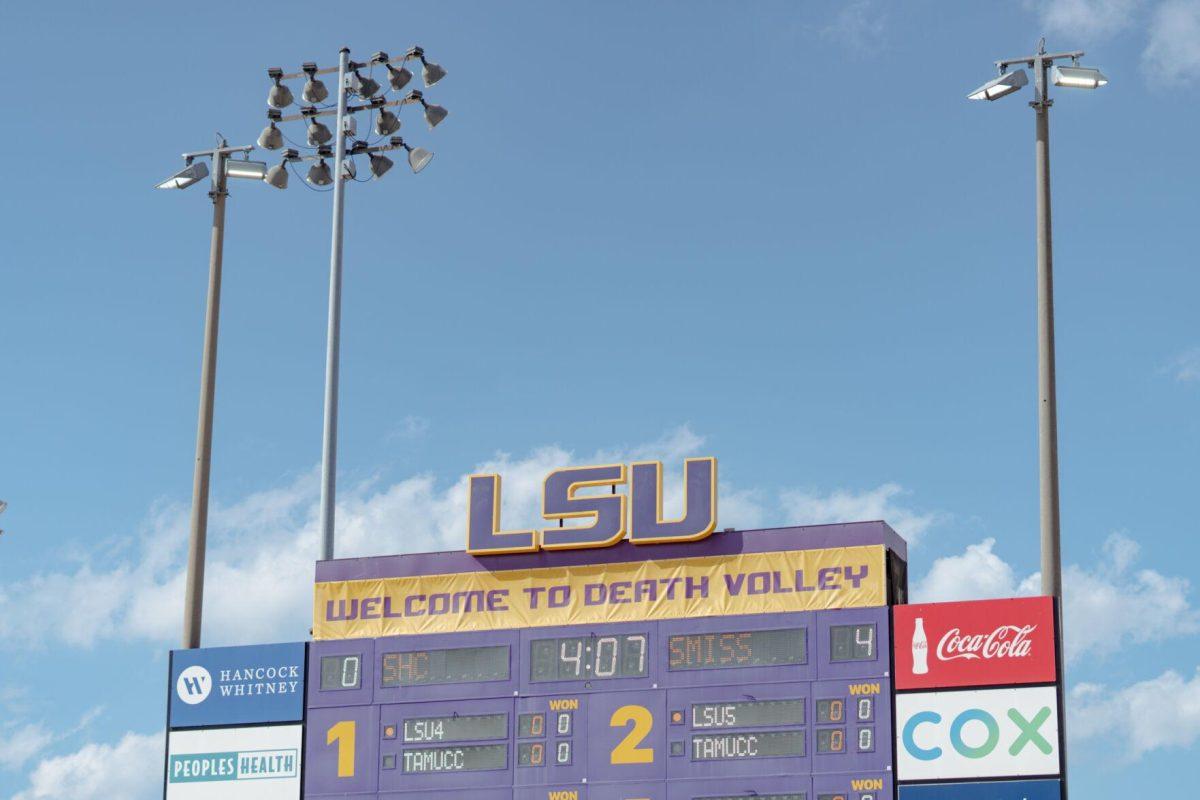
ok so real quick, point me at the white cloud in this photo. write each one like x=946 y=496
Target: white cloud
x=803 y=507
x=19 y=744
x=1108 y=605
x=259 y=570
x=131 y=770
x=411 y=427
x=1159 y=713
x=1086 y=19
x=1186 y=366
x=975 y=574
x=1173 y=56
x=860 y=25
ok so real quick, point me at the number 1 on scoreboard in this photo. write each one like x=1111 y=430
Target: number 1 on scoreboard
x=344 y=733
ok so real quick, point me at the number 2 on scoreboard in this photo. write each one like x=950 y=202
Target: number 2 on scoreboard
x=628 y=750
x=344 y=734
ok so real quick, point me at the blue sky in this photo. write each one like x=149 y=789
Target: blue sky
x=773 y=232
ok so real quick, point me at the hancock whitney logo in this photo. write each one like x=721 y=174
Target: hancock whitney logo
x=194 y=685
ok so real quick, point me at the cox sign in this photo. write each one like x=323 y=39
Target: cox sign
x=989 y=733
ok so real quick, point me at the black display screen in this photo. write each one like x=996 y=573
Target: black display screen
x=831 y=740
x=748 y=714
x=737 y=649
x=852 y=642
x=456 y=729
x=831 y=711
x=575 y=658
x=466 y=758
x=340 y=672
x=460 y=665
x=794 y=796
x=531 y=754
x=530 y=725
x=759 y=744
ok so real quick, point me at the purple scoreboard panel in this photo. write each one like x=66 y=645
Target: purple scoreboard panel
x=750 y=664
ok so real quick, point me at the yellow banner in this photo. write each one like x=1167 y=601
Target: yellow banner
x=749 y=583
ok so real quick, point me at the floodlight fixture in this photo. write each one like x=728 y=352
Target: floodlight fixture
x=271 y=138
x=418 y=158
x=318 y=133
x=380 y=164
x=1077 y=77
x=386 y=123
x=192 y=173
x=315 y=91
x=398 y=78
x=280 y=95
x=996 y=88
x=241 y=168
x=365 y=87
x=434 y=114
x=431 y=72
x=277 y=175
x=319 y=174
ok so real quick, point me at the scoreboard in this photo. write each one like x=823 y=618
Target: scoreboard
x=750 y=664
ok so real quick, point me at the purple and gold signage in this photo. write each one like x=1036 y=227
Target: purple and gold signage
x=605 y=513
x=747 y=664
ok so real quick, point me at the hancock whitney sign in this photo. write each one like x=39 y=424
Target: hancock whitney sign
x=237 y=685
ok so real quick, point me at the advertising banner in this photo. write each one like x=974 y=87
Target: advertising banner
x=988 y=733
x=237 y=685
x=745 y=583
x=985 y=790
x=260 y=763
x=974 y=643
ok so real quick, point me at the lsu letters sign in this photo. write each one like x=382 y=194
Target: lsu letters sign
x=260 y=763
x=237 y=685
x=974 y=643
x=989 y=733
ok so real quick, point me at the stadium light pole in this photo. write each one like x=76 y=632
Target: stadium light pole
x=193 y=172
x=349 y=80
x=1043 y=66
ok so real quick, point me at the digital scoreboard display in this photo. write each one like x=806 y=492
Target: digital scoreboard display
x=730 y=649
x=748 y=713
x=458 y=758
x=756 y=744
x=575 y=657
x=758 y=692
x=456 y=729
x=456 y=665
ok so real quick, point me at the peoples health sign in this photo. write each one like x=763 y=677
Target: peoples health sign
x=986 y=733
x=237 y=685
x=259 y=763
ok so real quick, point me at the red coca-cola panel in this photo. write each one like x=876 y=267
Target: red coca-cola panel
x=974 y=643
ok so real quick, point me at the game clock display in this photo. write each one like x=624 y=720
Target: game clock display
x=773 y=698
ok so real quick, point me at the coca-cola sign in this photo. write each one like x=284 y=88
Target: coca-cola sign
x=974 y=643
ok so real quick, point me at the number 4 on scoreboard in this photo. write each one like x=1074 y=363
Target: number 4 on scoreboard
x=344 y=733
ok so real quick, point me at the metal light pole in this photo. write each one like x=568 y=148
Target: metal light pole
x=334 y=330
x=192 y=173
x=349 y=80
x=1076 y=77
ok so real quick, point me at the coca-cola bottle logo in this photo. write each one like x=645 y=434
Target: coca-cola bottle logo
x=1006 y=641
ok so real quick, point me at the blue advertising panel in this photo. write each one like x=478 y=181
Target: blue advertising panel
x=984 y=790
x=237 y=685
